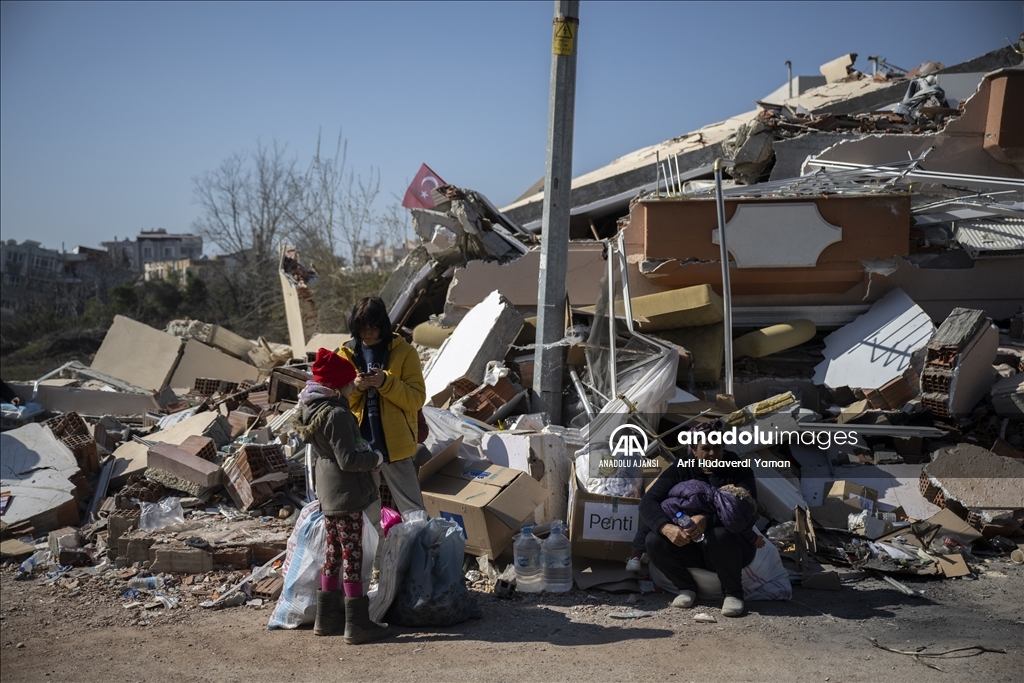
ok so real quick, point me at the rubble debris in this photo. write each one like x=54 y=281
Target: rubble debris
x=37 y=471
x=299 y=307
x=958 y=369
x=876 y=347
x=212 y=335
x=72 y=432
x=1008 y=396
x=198 y=360
x=975 y=478
x=485 y=334
x=132 y=457
x=137 y=353
x=254 y=473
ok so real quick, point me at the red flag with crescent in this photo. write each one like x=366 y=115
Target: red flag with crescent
x=420 y=192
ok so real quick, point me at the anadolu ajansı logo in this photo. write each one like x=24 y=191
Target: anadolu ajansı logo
x=628 y=441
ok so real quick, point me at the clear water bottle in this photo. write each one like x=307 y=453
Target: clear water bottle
x=684 y=521
x=147 y=583
x=557 y=557
x=527 y=554
x=38 y=557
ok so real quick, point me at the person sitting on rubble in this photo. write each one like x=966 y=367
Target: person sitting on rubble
x=674 y=550
x=389 y=392
x=731 y=505
x=345 y=487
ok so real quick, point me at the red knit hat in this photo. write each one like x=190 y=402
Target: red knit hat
x=332 y=370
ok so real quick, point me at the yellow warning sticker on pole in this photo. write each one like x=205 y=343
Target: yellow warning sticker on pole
x=564 y=38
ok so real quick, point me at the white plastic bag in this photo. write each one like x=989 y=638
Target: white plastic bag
x=166 y=513
x=763 y=579
x=306 y=552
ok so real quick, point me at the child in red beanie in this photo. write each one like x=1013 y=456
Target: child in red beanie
x=344 y=486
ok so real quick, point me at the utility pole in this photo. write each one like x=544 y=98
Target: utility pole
x=554 y=249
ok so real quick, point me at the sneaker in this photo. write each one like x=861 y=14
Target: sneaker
x=685 y=599
x=633 y=564
x=732 y=607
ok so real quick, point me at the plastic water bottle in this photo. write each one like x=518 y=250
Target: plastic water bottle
x=527 y=554
x=147 y=583
x=684 y=521
x=30 y=563
x=557 y=557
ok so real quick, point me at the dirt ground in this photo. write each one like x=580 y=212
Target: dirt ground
x=80 y=631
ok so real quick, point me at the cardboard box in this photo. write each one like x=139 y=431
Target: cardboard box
x=488 y=501
x=601 y=527
x=846 y=490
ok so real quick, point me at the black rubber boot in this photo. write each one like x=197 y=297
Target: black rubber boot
x=358 y=627
x=330 y=618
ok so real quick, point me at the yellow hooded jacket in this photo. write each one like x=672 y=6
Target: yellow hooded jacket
x=403 y=393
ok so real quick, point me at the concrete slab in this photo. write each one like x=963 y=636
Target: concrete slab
x=37 y=468
x=138 y=353
x=485 y=334
x=132 y=457
x=876 y=347
x=200 y=360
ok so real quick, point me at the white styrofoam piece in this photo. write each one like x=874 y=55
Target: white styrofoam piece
x=877 y=346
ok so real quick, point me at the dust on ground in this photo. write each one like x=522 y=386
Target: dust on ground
x=79 y=631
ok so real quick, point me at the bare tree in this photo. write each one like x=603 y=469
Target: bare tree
x=248 y=207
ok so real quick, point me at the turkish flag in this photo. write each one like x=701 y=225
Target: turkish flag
x=419 y=195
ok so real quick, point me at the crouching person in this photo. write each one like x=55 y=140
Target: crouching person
x=345 y=487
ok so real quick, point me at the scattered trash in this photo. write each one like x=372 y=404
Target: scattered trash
x=629 y=615
x=704 y=618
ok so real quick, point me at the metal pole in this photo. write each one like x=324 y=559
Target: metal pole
x=726 y=287
x=612 y=371
x=789 y=73
x=627 y=300
x=554 y=249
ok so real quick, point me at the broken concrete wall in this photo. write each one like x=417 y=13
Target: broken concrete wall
x=961 y=146
x=517 y=281
x=138 y=354
x=199 y=360
x=485 y=334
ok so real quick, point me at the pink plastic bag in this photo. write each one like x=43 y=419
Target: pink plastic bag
x=388 y=518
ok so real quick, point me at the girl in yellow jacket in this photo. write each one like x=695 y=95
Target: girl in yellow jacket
x=389 y=391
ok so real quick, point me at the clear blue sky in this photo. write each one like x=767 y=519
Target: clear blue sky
x=108 y=110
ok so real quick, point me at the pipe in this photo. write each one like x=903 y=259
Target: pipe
x=789 y=73
x=582 y=392
x=611 y=322
x=726 y=286
x=35 y=387
x=627 y=300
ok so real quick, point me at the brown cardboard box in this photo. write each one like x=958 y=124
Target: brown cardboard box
x=844 y=490
x=602 y=527
x=488 y=501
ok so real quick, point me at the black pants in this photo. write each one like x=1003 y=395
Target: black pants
x=722 y=552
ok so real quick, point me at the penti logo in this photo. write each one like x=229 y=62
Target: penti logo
x=628 y=441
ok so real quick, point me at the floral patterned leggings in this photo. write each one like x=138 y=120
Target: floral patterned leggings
x=345 y=547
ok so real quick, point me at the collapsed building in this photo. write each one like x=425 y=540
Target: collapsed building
x=875 y=231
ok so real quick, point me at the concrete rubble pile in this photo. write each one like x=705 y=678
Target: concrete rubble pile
x=871 y=296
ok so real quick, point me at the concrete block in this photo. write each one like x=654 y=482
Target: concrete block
x=138 y=353
x=234 y=558
x=183 y=464
x=67 y=537
x=485 y=334
x=180 y=560
x=133 y=550
x=199 y=360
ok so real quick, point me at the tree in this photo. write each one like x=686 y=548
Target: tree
x=247 y=209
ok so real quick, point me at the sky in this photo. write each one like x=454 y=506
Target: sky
x=108 y=111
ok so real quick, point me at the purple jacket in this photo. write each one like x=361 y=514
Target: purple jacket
x=695 y=497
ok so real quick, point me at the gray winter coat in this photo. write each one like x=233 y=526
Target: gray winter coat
x=344 y=460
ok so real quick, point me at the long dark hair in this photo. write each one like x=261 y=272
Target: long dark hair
x=370 y=311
